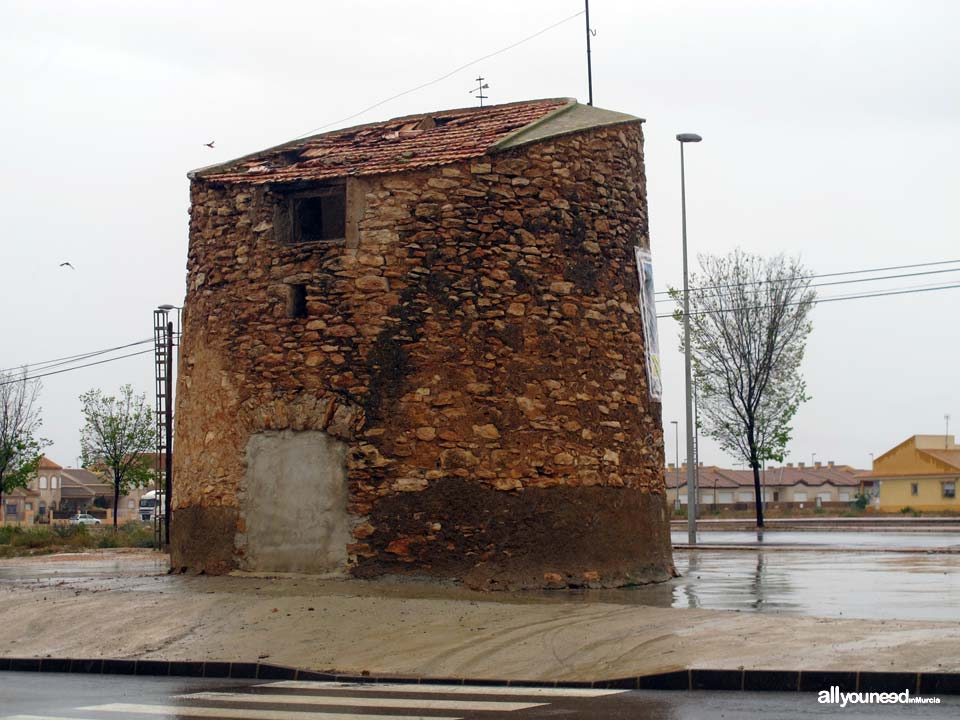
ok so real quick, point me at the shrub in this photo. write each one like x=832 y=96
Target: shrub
x=65 y=532
x=136 y=534
x=108 y=539
x=31 y=538
x=6 y=534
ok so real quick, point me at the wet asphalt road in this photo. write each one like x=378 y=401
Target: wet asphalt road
x=51 y=695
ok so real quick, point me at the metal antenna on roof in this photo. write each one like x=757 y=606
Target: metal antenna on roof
x=589 y=63
x=481 y=86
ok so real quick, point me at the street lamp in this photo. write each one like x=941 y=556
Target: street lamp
x=676 y=461
x=683 y=139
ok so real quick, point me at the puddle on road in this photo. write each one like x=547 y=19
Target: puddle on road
x=867 y=585
x=59 y=568
x=816 y=538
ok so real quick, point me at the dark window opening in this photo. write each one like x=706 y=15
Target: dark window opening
x=296 y=300
x=320 y=217
x=914 y=489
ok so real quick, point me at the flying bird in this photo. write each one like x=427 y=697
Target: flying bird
x=66 y=264
x=210 y=144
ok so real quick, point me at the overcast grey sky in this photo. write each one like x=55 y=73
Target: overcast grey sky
x=830 y=131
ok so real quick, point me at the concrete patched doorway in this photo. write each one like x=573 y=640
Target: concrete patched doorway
x=294 y=506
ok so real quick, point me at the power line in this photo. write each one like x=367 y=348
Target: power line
x=832 y=282
x=819 y=275
x=442 y=77
x=823 y=300
x=46 y=364
x=77 y=367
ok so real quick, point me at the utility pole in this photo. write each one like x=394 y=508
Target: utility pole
x=676 y=461
x=684 y=138
x=589 y=62
x=946 y=433
x=168 y=423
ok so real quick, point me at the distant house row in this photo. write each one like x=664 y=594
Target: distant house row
x=797 y=485
x=58 y=492
x=921 y=473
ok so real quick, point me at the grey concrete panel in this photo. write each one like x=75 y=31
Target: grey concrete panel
x=563 y=121
x=294 y=503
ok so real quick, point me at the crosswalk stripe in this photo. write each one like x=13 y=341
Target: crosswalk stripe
x=441 y=689
x=176 y=711
x=40 y=717
x=364 y=702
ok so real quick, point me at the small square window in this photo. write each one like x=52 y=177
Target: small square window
x=319 y=217
x=949 y=489
x=296 y=300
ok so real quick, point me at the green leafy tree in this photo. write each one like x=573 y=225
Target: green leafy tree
x=20 y=448
x=749 y=322
x=117 y=435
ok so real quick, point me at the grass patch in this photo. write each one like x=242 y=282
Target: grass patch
x=42 y=540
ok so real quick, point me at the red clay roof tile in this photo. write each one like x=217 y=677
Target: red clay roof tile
x=391 y=146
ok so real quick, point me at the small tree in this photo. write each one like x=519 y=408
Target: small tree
x=748 y=328
x=20 y=448
x=118 y=433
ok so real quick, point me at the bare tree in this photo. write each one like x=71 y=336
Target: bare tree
x=749 y=322
x=118 y=433
x=20 y=448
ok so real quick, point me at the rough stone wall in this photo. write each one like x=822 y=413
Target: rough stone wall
x=476 y=340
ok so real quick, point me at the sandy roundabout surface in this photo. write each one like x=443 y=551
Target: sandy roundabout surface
x=124 y=604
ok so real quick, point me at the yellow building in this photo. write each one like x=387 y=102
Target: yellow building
x=921 y=473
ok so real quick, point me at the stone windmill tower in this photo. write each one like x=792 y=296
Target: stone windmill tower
x=415 y=347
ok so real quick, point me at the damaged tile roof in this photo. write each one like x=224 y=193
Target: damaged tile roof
x=405 y=143
x=811 y=476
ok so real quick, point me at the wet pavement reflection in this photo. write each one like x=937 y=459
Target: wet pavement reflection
x=817 y=538
x=64 y=569
x=872 y=585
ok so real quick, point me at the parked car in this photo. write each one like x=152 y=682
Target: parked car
x=83 y=519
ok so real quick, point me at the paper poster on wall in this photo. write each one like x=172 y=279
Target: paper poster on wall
x=648 y=314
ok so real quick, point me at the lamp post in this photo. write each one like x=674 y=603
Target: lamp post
x=683 y=139
x=676 y=461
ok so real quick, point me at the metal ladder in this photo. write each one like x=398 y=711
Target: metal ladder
x=160 y=374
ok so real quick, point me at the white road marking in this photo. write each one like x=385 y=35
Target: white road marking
x=370 y=701
x=442 y=689
x=37 y=717
x=177 y=711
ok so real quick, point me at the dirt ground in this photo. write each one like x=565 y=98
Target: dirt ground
x=123 y=604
